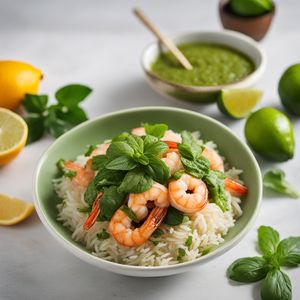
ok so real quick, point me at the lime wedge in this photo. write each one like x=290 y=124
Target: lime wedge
x=238 y=103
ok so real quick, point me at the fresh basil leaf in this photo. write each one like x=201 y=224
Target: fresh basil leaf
x=158 y=170
x=177 y=175
x=107 y=177
x=131 y=215
x=157 y=233
x=136 y=181
x=73 y=115
x=268 y=240
x=91 y=193
x=121 y=137
x=174 y=217
x=99 y=162
x=189 y=148
x=111 y=200
x=117 y=149
x=35 y=103
x=136 y=143
x=103 y=235
x=215 y=184
x=157 y=130
x=276 y=286
x=248 y=269
x=275 y=180
x=141 y=159
x=197 y=168
x=70 y=95
x=188 y=242
x=124 y=163
x=90 y=150
x=55 y=126
x=36 y=127
x=288 y=252
x=155 y=148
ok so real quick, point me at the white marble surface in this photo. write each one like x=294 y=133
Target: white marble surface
x=99 y=43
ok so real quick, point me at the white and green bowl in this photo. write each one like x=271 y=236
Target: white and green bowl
x=104 y=127
x=203 y=94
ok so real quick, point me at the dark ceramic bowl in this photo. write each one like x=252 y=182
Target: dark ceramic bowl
x=255 y=27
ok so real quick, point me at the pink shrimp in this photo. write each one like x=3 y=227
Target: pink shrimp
x=216 y=162
x=122 y=230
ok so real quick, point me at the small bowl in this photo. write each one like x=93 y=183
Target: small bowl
x=204 y=94
x=255 y=27
x=94 y=131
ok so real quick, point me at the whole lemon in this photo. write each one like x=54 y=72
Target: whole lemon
x=17 y=79
x=289 y=89
x=270 y=133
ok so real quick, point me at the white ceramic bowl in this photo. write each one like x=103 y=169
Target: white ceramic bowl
x=200 y=94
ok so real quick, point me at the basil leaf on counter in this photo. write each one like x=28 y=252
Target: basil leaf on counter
x=276 y=286
x=275 y=180
x=288 y=252
x=248 y=269
x=35 y=103
x=36 y=127
x=72 y=94
x=268 y=240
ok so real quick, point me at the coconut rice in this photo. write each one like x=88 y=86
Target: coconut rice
x=196 y=236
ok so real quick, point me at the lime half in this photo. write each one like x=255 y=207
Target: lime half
x=238 y=103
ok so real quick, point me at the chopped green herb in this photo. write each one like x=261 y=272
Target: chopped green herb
x=275 y=180
x=130 y=214
x=90 y=149
x=158 y=232
x=189 y=241
x=84 y=209
x=181 y=254
x=103 y=235
x=67 y=173
x=185 y=219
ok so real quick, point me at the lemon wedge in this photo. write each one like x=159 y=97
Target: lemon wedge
x=13 y=135
x=13 y=211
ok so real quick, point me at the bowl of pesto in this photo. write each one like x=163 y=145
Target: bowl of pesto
x=220 y=59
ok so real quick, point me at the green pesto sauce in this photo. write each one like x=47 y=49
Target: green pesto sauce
x=213 y=64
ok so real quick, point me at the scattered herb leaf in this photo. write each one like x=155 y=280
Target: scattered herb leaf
x=103 y=235
x=90 y=150
x=158 y=232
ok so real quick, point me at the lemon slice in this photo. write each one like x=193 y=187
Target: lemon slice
x=13 y=135
x=238 y=103
x=13 y=211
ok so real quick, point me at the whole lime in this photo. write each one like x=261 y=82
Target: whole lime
x=250 y=8
x=289 y=89
x=270 y=133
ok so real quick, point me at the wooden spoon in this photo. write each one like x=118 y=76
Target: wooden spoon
x=163 y=39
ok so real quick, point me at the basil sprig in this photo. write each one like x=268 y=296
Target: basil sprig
x=58 y=118
x=276 y=284
x=274 y=179
x=198 y=166
x=130 y=165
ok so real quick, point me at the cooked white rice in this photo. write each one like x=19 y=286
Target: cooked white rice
x=206 y=228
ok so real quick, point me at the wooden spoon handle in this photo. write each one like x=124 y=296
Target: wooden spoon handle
x=163 y=39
